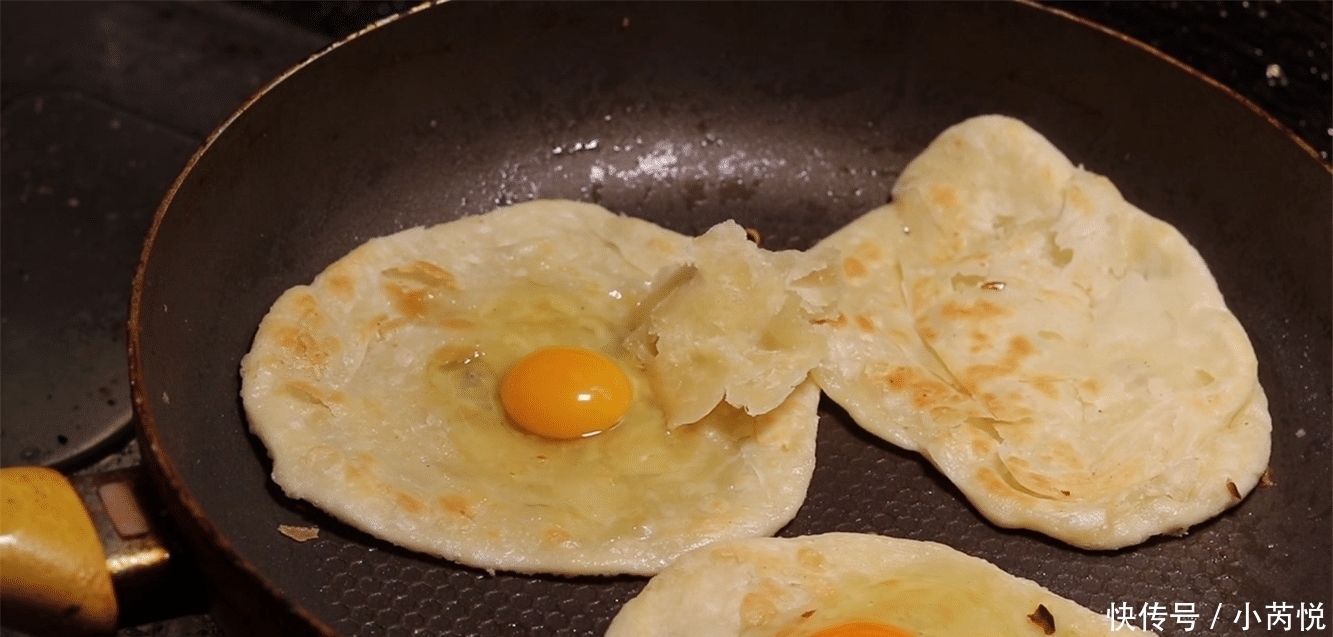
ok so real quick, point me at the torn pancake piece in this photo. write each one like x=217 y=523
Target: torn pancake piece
x=737 y=323
x=1063 y=357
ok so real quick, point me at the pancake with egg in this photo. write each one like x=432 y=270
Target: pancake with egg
x=1060 y=355
x=411 y=390
x=845 y=585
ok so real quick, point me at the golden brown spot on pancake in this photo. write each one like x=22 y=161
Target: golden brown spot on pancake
x=982 y=444
x=922 y=292
x=864 y=322
x=979 y=311
x=900 y=378
x=928 y=334
x=992 y=482
x=304 y=349
x=760 y=606
x=425 y=273
x=1008 y=407
x=944 y=196
x=456 y=504
x=358 y=467
x=342 y=286
x=870 y=251
x=853 y=267
x=554 y=536
x=411 y=303
x=981 y=341
x=811 y=559
x=924 y=390
x=308 y=312
x=1066 y=456
x=974 y=375
x=408 y=503
x=991 y=402
x=425 y=280
x=1092 y=386
x=1047 y=385
x=1019 y=348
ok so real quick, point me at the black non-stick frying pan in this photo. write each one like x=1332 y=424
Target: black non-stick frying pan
x=792 y=118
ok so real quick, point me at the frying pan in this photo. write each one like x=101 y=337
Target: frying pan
x=790 y=118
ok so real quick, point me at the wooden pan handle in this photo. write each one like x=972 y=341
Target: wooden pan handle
x=53 y=571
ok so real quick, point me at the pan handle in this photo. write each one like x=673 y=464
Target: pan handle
x=53 y=571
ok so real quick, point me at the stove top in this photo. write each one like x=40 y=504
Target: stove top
x=101 y=104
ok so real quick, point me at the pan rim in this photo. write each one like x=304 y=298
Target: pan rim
x=1327 y=163
x=167 y=474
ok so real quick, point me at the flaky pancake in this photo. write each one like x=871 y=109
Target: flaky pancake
x=375 y=391
x=1063 y=357
x=845 y=585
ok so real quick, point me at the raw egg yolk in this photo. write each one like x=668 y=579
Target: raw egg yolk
x=862 y=629
x=566 y=392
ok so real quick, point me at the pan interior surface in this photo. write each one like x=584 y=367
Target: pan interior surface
x=790 y=118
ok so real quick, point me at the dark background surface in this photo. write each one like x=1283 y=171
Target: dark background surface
x=104 y=102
